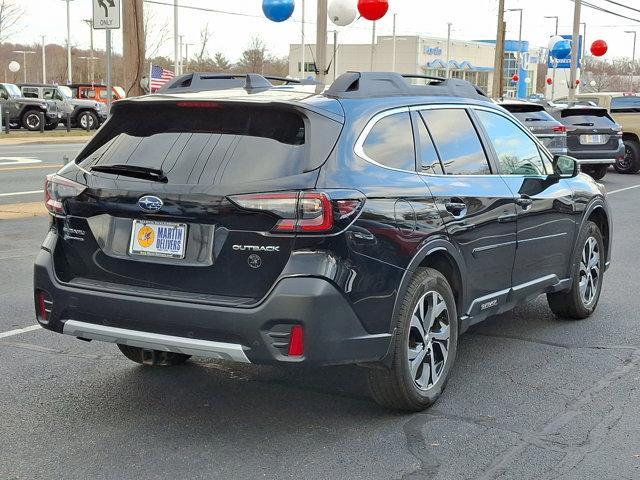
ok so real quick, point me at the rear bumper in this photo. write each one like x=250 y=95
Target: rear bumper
x=333 y=334
x=598 y=157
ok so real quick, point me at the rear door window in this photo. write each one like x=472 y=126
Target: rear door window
x=517 y=153
x=630 y=103
x=390 y=142
x=429 y=160
x=457 y=142
x=30 y=92
x=212 y=144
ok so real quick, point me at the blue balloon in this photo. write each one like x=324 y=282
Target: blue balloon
x=278 y=10
x=561 y=50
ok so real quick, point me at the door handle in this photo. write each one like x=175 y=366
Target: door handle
x=524 y=201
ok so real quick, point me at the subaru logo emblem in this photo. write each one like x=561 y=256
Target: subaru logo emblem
x=149 y=203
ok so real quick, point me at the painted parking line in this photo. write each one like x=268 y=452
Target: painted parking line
x=30 y=192
x=30 y=167
x=18 y=331
x=623 y=189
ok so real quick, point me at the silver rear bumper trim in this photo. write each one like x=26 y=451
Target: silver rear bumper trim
x=596 y=161
x=156 y=341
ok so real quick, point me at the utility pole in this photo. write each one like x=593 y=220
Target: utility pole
x=133 y=46
x=496 y=89
x=633 y=59
x=321 y=41
x=574 y=50
x=393 y=56
x=554 y=62
x=44 y=63
x=89 y=22
x=69 y=72
x=176 y=41
x=519 y=63
x=584 y=39
x=302 y=42
x=448 y=49
x=335 y=54
x=181 y=37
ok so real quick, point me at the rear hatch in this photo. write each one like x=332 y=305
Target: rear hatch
x=551 y=133
x=590 y=129
x=152 y=214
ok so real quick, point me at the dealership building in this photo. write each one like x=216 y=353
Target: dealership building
x=469 y=60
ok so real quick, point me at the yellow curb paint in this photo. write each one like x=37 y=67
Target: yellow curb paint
x=22 y=210
x=31 y=167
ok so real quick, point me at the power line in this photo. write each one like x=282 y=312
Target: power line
x=623 y=6
x=604 y=10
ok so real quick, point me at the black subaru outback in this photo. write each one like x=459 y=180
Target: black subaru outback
x=370 y=223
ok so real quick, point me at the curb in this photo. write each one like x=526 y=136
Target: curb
x=43 y=141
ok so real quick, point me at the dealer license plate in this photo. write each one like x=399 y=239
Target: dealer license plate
x=594 y=139
x=158 y=239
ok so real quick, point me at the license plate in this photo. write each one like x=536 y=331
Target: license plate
x=594 y=139
x=158 y=239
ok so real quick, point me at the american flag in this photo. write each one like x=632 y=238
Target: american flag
x=159 y=76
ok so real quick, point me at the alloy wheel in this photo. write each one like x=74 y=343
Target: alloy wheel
x=627 y=160
x=86 y=119
x=33 y=121
x=589 y=275
x=428 y=343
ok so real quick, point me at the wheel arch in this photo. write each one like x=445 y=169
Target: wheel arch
x=440 y=255
x=597 y=213
x=630 y=137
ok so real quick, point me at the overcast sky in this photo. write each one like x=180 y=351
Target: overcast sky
x=472 y=19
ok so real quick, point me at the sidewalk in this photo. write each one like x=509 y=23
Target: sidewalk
x=24 y=138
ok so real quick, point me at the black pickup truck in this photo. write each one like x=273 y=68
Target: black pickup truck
x=25 y=112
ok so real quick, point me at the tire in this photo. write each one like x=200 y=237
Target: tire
x=597 y=172
x=87 y=116
x=631 y=161
x=580 y=302
x=154 y=358
x=31 y=120
x=399 y=386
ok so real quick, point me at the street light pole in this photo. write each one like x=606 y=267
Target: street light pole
x=89 y=22
x=553 y=78
x=69 y=71
x=176 y=41
x=447 y=68
x=393 y=56
x=303 y=42
x=24 y=61
x=584 y=39
x=186 y=55
x=44 y=63
x=373 y=45
x=574 y=50
x=633 y=58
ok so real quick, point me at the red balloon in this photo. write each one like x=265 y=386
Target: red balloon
x=515 y=77
x=599 y=48
x=373 y=9
x=549 y=81
x=578 y=82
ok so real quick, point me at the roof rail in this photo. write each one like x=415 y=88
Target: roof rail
x=200 y=82
x=385 y=84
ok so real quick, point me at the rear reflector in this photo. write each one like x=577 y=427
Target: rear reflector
x=44 y=305
x=296 y=341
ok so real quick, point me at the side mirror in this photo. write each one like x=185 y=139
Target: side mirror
x=4 y=95
x=565 y=167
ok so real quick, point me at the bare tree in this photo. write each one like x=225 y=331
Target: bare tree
x=253 y=57
x=10 y=16
x=156 y=33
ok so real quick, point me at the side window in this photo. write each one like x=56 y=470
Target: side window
x=47 y=93
x=457 y=142
x=390 y=142
x=429 y=160
x=517 y=153
x=30 y=92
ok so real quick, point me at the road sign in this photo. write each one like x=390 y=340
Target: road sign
x=106 y=14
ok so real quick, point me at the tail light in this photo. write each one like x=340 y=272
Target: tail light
x=560 y=129
x=57 y=189
x=302 y=212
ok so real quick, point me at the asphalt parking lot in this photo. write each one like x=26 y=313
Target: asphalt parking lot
x=531 y=397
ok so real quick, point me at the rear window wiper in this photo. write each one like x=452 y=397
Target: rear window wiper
x=533 y=119
x=144 y=173
x=584 y=124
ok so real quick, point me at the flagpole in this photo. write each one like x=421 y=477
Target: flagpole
x=150 y=70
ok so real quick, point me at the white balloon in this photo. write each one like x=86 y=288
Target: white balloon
x=342 y=12
x=593 y=83
x=14 y=66
x=527 y=80
x=553 y=40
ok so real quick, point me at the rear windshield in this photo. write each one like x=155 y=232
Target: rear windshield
x=197 y=144
x=588 y=117
x=629 y=103
x=534 y=116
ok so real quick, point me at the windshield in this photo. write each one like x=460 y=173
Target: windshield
x=13 y=90
x=120 y=92
x=65 y=91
